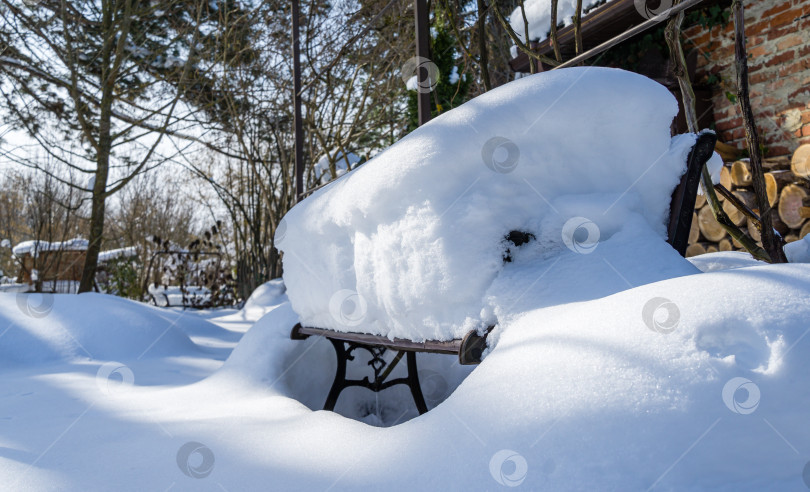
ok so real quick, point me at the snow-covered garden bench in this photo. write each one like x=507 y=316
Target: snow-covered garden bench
x=470 y=347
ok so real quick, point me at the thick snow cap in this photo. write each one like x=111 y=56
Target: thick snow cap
x=408 y=244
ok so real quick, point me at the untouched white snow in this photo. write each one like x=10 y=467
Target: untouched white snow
x=410 y=244
x=706 y=392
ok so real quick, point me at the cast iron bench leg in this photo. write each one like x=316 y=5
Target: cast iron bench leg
x=413 y=383
x=340 y=383
x=340 y=375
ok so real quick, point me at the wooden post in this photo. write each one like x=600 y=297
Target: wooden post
x=422 y=22
x=299 y=129
x=771 y=242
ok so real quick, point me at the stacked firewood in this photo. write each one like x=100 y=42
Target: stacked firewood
x=787 y=181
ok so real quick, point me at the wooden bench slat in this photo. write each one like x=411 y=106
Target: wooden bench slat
x=433 y=346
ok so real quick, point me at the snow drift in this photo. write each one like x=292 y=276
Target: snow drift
x=408 y=244
x=40 y=328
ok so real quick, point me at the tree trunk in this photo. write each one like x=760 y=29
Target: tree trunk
x=771 y=242
x=107 y=82
x=483 y=57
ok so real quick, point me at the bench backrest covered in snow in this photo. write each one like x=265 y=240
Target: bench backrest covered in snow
x=469 y=348
x=426 y=247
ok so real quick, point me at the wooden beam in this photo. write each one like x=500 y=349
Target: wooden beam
x=299 y=127
x=422 y=27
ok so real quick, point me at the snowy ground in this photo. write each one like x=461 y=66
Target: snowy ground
x=615 y=364
x=708 y=392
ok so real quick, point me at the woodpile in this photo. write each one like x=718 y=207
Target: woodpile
x=787 y=182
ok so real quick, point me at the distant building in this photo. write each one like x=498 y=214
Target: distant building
x=57 y=266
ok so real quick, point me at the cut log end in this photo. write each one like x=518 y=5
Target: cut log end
x=800 y=163
x=709 y=227
x=741 y=173
x=790 y=204
x=695 y=250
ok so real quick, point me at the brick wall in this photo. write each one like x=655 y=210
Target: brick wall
x=779 y=68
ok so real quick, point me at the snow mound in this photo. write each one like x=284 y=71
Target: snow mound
x=724 y=260
x=44 y=328
x=408 y=244
x=264 y=299
x=633 y=391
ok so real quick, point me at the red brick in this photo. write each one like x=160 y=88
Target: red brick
x=758 y=78
x=780 y=58
x=784 y=18
x=739 y=133
x=779 y=33
x=758 y=51
x=794 y=68
x=806 y=131
x=755 y=40
x=729 y=124
x=789 y=42
x=775 y=85
x=806 y=117
x=775 y=10
x=799 y=94
x=751 y=29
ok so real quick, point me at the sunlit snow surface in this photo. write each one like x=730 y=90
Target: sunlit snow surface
x=616 y=364
x=596 y=395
